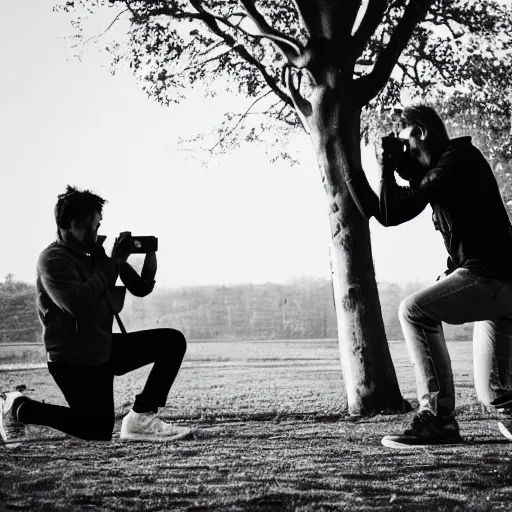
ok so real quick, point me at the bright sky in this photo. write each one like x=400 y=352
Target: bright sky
x=241 y=219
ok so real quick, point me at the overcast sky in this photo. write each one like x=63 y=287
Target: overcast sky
x=240 y=219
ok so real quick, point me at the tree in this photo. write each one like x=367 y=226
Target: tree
x=325 y=61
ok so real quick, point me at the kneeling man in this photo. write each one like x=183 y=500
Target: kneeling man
x=77 y=300
x=455 y=179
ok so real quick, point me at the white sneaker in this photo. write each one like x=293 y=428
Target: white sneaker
x=147 y=427
x=506 y=429
x=10 y=429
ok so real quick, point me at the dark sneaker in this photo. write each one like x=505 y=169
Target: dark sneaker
x=503 y=401
x=426 y=429
x=504 y=412
x=10 y=428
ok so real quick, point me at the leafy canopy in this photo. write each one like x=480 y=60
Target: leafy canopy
x=382 y=50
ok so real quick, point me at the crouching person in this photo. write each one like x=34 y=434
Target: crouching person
x=76 y=294
x=455 y=179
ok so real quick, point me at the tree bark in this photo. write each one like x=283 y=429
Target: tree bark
x=370 y=380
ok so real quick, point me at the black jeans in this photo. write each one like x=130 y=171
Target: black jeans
x=89 y=390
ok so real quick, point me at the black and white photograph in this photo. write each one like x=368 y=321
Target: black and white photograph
x=257 y=255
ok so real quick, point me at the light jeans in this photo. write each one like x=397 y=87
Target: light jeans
x=459 y=298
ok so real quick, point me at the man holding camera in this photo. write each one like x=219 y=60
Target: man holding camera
x=77 y=300
x=456 y=180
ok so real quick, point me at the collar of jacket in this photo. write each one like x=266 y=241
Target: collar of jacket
x=460 y=141
x=72 y=247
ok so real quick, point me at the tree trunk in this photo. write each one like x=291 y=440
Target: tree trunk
x=370 y=380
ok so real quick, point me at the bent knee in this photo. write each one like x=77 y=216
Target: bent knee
x=176 y=341
x=407 y=309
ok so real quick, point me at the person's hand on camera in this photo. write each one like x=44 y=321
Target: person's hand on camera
x=383 y=154
x=101 y=261
x=396 y=157
x=97 y=250
x=388 y=153
x=122 y=247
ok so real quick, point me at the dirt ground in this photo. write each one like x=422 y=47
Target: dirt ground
x=270 y=433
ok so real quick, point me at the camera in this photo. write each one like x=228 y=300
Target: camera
x=129 y=244
x=143 y=244
x=395 y=149
x=397 y=152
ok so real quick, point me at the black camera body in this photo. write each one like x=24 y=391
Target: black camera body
x=394 y=148
x=397 y=152
x=137 y=244
x=143 y=244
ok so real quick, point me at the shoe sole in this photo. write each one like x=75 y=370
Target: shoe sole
x=397 y=445
x=505 y=431
x=502 y=401
x=3 y=434
x=154 y=439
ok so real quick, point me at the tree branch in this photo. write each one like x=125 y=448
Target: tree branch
x=104 y=32
x=167 y=10
x=211 y=22
x=322 y=19
x=309 y=16
x=302 y=106
x=445 y=22
x=372 y=18
x=130 y=8
x=242 y=117
x=372 y=83
x=290 y=48
x=211 y=48
x=207 y=61
x=279 y=115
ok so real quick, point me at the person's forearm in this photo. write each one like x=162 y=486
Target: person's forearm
x=365 y=198
x=398 y=204
x=149 y=268
x=135 y=283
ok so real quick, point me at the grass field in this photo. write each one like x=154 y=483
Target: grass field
x=270 y=433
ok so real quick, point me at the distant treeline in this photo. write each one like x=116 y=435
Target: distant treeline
x=18 y=317
x=299 y=310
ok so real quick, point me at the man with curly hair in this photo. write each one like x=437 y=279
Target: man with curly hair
x=76 y=301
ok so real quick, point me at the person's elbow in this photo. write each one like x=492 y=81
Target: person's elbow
x=385 y=220
x=142 y=290
x=140 y=293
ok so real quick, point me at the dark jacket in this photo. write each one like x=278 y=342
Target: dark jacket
x=75 y=295
x=467 y=209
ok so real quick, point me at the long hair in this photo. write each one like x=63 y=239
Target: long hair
x=77 y=205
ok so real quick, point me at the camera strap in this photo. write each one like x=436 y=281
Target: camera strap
x=116 y=315
x=120 y=323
